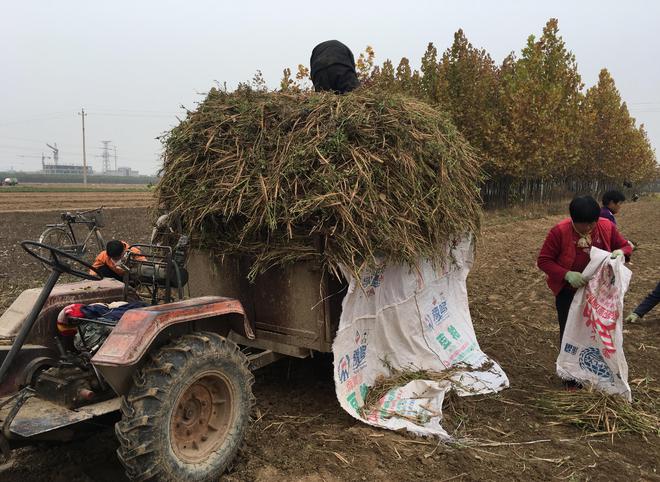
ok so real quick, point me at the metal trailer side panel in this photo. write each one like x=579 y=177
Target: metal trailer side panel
x=294 y=306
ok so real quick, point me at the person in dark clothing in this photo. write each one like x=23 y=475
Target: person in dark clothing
x=646 y=305
x=612 y=202
x=332 y=68
x=566 y=251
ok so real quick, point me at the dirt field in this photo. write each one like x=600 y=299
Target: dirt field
x=46 y=197
x=301 y=433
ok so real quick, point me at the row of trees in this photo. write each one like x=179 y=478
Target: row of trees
x=530 y=116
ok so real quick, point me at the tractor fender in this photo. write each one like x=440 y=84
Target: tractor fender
x=141 y=329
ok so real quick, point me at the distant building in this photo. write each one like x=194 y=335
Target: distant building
x=57 y=168
x=75 y=169
x=123 y=171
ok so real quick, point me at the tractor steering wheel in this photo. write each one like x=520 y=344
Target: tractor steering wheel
x=55 y=262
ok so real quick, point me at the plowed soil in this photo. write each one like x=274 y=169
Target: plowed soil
x=300 y=432
x=110 y=196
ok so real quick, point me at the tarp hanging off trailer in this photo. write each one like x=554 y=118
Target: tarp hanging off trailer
x=415 y=321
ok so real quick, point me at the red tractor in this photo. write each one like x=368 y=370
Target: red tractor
x=176 y=374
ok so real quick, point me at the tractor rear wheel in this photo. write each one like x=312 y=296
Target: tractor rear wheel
x=188 y=411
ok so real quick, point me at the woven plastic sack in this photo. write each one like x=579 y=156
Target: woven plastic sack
x=592 y=348
x=410 y=319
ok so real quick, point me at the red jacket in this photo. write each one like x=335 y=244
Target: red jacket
x=560 y=254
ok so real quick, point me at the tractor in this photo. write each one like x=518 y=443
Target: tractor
x=172 y=372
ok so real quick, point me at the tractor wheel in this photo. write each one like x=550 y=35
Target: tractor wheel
x=188 y=411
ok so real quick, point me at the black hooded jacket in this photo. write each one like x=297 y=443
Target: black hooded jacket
x=332 y=67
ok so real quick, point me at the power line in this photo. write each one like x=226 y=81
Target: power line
x=138 y=111
x=134 y=157
x=98 y=112
x=55 y=115
x=31 y=150
x=168 y=116
x=20 y=148
x=23 y=139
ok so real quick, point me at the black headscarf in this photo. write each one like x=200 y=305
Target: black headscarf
x=332 y=67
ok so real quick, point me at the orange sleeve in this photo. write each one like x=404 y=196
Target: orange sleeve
x=99 y=261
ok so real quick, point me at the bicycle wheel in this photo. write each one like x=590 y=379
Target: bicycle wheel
x=58 y=238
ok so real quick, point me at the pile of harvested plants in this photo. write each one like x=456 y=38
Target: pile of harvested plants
x=600 y=414
x=399 y=377
x=316 y=176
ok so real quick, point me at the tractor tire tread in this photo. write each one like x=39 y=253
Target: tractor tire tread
x=145 y=408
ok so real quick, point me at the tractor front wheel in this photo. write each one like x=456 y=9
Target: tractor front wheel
x=188 y=411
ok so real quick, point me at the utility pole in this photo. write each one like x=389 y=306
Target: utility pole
x=82 y=114
x=115 y=159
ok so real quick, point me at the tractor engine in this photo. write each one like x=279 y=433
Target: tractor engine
x=70 y=386
x=152 y=273
x=72 y=381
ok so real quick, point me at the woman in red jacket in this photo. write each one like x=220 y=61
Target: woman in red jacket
x=565 y=252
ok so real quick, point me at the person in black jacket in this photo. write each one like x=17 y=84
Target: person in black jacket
x=332 y=68
x=646 y=305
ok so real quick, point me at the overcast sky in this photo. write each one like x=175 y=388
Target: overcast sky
x=132 y=64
